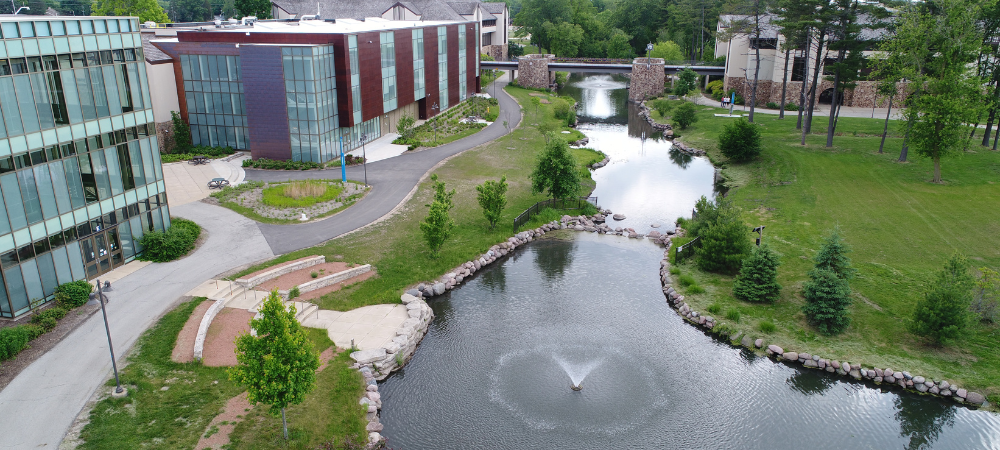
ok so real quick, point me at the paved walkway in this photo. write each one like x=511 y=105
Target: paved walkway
x=821 y=110
x=381 y=148
x=188 y=183
x=392 y=180
x=41 y=403
x=368 y=327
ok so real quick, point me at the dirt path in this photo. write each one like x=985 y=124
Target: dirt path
x=220 y=341
x=184 y=346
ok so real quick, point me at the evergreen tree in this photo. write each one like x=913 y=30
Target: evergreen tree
x=278 y=365
x=705 y=213
x=827 y=298
x=438 y=225
x=833 y=256
x=758 y=278
x=944 y=312
x=724 y=242
x=556 y=171
x=259 y=8
x=493 y=199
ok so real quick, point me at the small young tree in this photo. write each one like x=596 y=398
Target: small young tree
x=943 y=314
x=827 y=298
x=687 y=81
x=438 y=225
x=278 y=365
x=684 y=116
x=705 y=213
x=182 y=133
x=662 y=106
x=985 y=298
x=405 y=126
x=740 y=140
x=833 y=256
x=725 y=242
x=535 y=101
x=493 y=199
x=758 y=278
x=556 y=171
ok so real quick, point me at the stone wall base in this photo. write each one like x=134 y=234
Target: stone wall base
x=863 y=95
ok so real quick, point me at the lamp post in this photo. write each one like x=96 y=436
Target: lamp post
x=364 y=156
x=649 y=48
x=435 y=107
x=760 y=234
x=119 y=391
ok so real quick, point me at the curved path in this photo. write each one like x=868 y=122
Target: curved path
x=392 y=181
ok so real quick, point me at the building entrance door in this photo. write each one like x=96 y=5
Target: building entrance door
x=102 y=252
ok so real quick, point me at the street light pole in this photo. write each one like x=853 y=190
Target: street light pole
x=435 y=107
x=364 y=156
x=114 y=365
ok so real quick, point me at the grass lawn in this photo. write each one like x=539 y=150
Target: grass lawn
x=151 y=417
x=396 y=247
x=902 y=229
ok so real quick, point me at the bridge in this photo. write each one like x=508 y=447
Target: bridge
x=602 y=67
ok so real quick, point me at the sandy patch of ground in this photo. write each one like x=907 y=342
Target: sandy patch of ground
x=220 y=341
x=312 y=295
x=184 y=346
x=290 y=280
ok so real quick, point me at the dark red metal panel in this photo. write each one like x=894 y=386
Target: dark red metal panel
x=267 y=115
x=370 y=59
x=430 y=71
x=404 y=66
x=342 y=71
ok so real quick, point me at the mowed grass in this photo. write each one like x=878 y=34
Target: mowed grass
x=299 y=194
x=901 y=227
x=396 y=247
x=150 y=417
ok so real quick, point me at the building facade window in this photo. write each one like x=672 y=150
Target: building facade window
x=352 y=50
x=371 y=129
x=80 y=174
x=462 y=68
x=388 y=47
x=310 y=93
x=213 y=88
x=419 y=77
x=443 y=68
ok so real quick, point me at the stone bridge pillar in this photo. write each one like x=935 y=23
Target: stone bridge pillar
x=647 y=79
x=534 y=70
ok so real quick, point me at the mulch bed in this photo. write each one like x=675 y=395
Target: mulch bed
x=184 y=346
x=301 y=276
x=12 y=367
x=220 y=341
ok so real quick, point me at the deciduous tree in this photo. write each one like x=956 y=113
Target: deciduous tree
x=278 y=365
x=145 y=10
x=492 y=196
x=740 y=140
x=556 y=170
x=438 y=225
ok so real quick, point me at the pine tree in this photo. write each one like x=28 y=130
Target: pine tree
x=278 y=365
x=493 y=199
x=724 y=243
x=833 y=256
x=827 y=298
x=944 y=312
x=758 y=278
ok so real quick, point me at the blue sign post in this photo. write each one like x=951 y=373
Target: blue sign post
x=343 y=162
x=732 y=101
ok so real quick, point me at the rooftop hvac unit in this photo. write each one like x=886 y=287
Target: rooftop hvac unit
x=249 y=20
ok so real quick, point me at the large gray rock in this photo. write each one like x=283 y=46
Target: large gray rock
x=774 y=349
x=790 y=356
x=374 y=427
x=407 y=298
x=944 y=385
x=920 y=387
x=439 y=288
x=975 y=398
x=919 y=379
x=368 y=356
x=618 y=217
x=413 y=292
x=758 y=343
x=810 y=363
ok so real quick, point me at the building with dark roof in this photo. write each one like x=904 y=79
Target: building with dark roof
x=307 y=90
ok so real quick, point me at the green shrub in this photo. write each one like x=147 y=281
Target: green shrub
x=687 y=81
x=758 y=278
x=675 y=271
x=314 y=274
x=791 y=107
x=211 y=152
x=49 y=315
x=772 y=105
x=714 y=308
x=294 y=292
x=740 y=140
x=182 y=133
x=16 y=338
x=715 y=88
x=695 y=289
x=766 y=326
x=560 y=108
x=685 y=115
x=571 y=118
x=734 y=315
x=73 y=294
x=662 y=106
x=272 y=164
x=686 y=280
x=177 y=241
x=943 y=313
x=724 y=242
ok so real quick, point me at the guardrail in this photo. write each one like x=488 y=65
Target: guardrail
x=686 y=250
x=557 y=203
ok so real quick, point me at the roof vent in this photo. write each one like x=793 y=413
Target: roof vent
x=248 y=20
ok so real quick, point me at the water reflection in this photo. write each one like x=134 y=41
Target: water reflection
x=681 y=159
x=556 y=257
x=922 y=419
x=810 y=383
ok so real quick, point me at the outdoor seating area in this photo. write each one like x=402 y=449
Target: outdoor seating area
x=218 y=183
x=199 y=160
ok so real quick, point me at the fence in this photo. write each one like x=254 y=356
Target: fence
x=686 y=250
x=556 y=203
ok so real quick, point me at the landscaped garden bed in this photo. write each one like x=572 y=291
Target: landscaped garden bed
x=452 y=124
x=287 y=202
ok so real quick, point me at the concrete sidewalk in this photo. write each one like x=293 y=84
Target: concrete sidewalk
x=188 y=183
x=381 y=148
x=821 y=110
x=42 y=402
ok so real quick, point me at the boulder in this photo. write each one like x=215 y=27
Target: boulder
x=368 y=356
x=897 y=375
x=975 y=398
x=790 y=356
x=810 y=363
x=438 y=288
x=856 y=374
x=759 y=343
x=413 y=292
x=618 y=217
x=746 y=342
x=934 y=390
x=845 y=366
x=944 y=385
x=774 y=350
x=889 y=379
x=804 y=356
x=962 y=393
x=374 y=437
x=830 y=369
x=919 y=380
x=374 y=427
x=878 y=372
x=654 y=234
x=921 y=387
x=407 y=298
x=907 y=376
x=835 y=364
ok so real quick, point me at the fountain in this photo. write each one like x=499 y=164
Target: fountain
x=576 y=372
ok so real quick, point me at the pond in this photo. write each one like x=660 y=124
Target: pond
x=494 y=370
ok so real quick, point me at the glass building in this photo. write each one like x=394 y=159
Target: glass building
x=80 y=174
x=307 y=90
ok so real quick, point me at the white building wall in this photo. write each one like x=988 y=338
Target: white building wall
x=162 y=90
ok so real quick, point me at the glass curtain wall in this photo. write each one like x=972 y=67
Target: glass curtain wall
x=388 y=44
x=310 y=93
x=372 y=129
x=462 y=59
x=419 y=80
x=443 y=68
x=352 y=50
x=80 y=174
x=213 y=88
